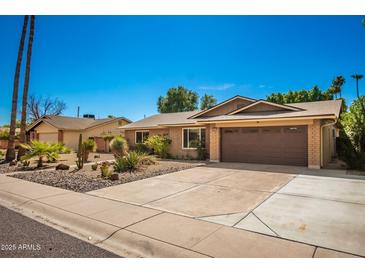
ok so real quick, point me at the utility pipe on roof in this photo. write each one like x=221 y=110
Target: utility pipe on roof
x=321 y=131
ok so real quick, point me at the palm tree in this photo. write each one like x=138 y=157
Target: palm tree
x=22 y=136
x=338 y=83
x=357 y=77
x=10 y=152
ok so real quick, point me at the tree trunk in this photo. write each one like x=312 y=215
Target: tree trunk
x=23 y=121
x=10 y=152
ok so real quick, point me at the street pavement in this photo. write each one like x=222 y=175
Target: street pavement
x=22 y=237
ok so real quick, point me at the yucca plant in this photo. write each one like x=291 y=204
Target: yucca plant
x=119 y=146
x=130 y=162
x=146 y=159
x=42 y=150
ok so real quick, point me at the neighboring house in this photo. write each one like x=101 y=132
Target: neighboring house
x=242 y=129
x=4 y=133
x=68 y=129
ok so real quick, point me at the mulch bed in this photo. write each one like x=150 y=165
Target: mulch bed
x=87 y=180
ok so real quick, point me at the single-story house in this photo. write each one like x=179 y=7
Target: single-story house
x=243 y=129
x=68 y=129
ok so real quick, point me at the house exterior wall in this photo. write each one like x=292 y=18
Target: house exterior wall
x=105 y=129
x=314 y=145
x=213 y=132
x=228 y=107
x=176 y=135
x=45 y=128
x=329 y=144
x=71 y=139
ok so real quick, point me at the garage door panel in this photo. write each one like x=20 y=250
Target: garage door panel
x=266 y=145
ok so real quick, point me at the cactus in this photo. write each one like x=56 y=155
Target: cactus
x=80 y=154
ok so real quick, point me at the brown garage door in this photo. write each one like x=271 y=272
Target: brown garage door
x=265 y=145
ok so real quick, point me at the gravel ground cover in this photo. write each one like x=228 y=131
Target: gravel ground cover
x=87 y=180
x=67 y=159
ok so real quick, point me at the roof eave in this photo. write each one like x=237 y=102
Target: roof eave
x=324 y=116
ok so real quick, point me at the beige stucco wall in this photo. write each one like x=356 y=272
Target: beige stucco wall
x=175 y=134
x=106 y=129
x=46 y=128
x=71 y=139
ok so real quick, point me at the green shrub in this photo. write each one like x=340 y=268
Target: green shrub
x=105 y=170
x=42 y=150
x=1 y=154
x=159 y=144
x=94 y=166
x=4 y=135
x=119 y=146
x=142 y=148
x=89 y=146
x=202 y=152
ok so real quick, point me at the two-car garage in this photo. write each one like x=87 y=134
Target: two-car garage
x=284 y=145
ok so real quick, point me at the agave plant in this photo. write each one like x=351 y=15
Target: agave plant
x=43 y=150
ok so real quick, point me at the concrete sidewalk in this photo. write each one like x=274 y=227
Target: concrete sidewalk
x=131 y=230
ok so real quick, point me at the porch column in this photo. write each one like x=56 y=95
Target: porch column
x=314 y=145
x=214 y=143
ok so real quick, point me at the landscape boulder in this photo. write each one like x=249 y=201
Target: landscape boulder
x=114 y=177
x=62 y=167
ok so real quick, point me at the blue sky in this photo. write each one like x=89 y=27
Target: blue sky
x=119 y=65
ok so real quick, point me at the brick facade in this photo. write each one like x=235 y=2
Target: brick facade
x=314 y=144
x=214 y=144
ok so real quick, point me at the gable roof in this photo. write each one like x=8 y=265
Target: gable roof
x=325 y=109
x=221 y=104
x=264 y=102
x=319 y=109
x=163 y=119
x=73 y=123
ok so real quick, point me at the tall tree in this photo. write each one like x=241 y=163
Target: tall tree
x=207 y=101
x=39 y=107
x=336 y=86
x=177 y=100
x=23 y=121
x=357 y=77
x=10 y=152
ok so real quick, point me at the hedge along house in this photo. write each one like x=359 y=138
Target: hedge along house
x=68 y=129
x=246 y=130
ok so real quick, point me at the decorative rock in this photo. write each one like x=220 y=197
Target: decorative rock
x=62 y=167
x=114 y=177
x=13 y=163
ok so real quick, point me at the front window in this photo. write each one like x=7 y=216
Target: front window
x=141 y=136
x=193 y=136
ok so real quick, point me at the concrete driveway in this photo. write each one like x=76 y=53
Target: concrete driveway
x=317 y=208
